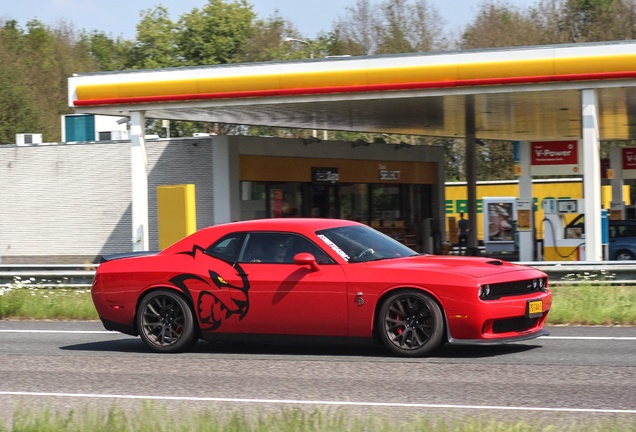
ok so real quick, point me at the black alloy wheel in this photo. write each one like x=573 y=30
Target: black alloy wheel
x=165 y=322
x=411 y=324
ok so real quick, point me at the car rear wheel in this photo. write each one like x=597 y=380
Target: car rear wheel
x=411 y=324
x=624 y=255
x=165 y=322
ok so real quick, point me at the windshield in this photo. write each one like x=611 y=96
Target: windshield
x=361 y=243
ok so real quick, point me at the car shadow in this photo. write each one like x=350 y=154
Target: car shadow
x=136 y=346
x=131 y=345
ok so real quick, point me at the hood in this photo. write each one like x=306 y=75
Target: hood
x=475 y=267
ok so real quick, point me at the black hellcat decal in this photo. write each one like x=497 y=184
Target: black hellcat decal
x=222 y=299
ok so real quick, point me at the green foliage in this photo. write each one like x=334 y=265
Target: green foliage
x=500 y=24
x=214 y=34
x=387 y=27
x=156 y=44
x=35 y=65
x=109 y=54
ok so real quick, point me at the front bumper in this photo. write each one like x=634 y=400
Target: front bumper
x=519 y=338
x=498 y=321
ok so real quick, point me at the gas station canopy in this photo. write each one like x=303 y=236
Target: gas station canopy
x=530 y=93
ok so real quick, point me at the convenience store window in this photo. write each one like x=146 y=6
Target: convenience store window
x=285 y=199
x=253 y=200
x=354 y=202
x=385 y=202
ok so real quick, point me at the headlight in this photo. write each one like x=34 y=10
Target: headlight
x=539 y=284
x=484 y=291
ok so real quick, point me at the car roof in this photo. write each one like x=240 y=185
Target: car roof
x=304 y=226
x=285 y=224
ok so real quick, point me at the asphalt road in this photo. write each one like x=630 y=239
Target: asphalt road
x=577 y=373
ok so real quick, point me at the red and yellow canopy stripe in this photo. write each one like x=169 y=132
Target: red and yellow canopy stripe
x=359 y=77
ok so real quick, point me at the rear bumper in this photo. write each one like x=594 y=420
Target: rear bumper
x=113 y=326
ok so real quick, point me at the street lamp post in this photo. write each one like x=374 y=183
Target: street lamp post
x=311 y=56
x=311 y=50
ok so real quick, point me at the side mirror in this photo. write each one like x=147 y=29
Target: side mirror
x=305 y=258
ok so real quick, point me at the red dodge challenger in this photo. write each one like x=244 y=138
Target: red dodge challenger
x=296 y=279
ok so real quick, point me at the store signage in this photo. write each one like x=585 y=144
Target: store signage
x=325 y=175
x=629 y=158
x=555 y=153
x=389 y=175
x=555 y=157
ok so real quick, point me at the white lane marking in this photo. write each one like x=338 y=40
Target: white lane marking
x=319 y=402
x=62 y=331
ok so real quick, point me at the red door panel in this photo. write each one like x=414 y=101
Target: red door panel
x=292 y=299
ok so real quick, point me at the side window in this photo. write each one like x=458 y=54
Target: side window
x=228 y=248
x=268 y=248
x=301 y=244
x=280 y=248
x=628 y=231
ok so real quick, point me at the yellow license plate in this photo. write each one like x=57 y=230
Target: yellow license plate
x=535 y=308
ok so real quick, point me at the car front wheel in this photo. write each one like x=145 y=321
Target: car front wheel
x=624 y=255
x=165 y=322
x=411 y=324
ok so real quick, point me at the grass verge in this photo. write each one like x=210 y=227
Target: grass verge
x=153 y=418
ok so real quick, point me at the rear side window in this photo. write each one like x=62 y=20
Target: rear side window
x=228 y=248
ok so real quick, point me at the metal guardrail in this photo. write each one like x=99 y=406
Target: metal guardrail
x=576 y=272
x=560 y=272
x=48 y=275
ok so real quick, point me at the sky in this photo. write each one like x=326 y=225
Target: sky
x=120 y=17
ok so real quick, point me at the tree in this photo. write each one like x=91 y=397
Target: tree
x=18 y=112
x=214 y=34
x=156 y=44
x=596 y=20
x=390 y=27
x=409 y=26
x=266 y=41
x=498 y=24
x=109 y=54
x=34 y=68
x=355 y=34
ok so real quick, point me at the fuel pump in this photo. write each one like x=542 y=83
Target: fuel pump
x=561 y=243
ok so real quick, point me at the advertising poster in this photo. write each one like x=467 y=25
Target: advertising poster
x=500 y=221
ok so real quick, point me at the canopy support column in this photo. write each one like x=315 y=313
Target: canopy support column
x=526 y=237
x=591 y=176
x=471 y=175
x=139 y=176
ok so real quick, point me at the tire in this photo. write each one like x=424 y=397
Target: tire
x=165 y=322
x=410 y=324
x=624 y=255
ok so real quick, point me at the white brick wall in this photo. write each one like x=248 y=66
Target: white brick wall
x=74 y=199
